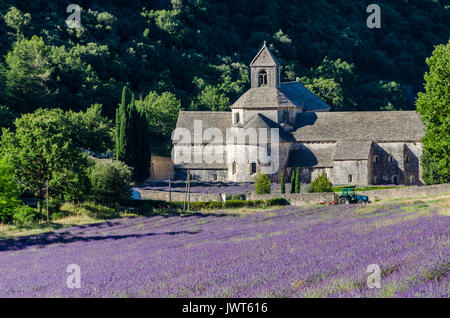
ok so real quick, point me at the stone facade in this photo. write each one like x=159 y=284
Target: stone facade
x=351 y=148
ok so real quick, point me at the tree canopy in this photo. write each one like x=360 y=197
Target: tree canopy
x=434 y=107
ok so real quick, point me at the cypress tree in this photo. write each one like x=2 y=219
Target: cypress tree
x=293 y=182
x=297 y=181
x=283 y=189
x=121 y=127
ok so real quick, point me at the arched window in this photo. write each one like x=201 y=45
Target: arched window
x=391 y=159
x=376 y=159
x=215 y=176
x=253 y=168
x=262 y=78
x=406 y=158
x=234 y=167
x=236 y=118
x=350 y=178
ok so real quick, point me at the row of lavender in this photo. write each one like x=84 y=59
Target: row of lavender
x=319 y=252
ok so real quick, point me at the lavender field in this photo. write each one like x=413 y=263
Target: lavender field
x=291 y=252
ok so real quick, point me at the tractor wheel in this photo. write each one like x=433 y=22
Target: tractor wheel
x=343 y=201
x=361 y=202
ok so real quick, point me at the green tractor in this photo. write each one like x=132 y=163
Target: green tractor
x=349 y=196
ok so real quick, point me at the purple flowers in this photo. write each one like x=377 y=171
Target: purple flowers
x=293 y=252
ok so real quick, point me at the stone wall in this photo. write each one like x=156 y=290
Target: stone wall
x=414 y=191
x=296 y=198
x=177 y=196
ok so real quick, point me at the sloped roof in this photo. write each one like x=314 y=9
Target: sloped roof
x=305 y=157
x=374 y=126
x=202 y=166
x=264 y=58
x=261 y=121
x=264 y=97
x=220 y=120
x=299 y=94
x=352 y=150
x=290 y=94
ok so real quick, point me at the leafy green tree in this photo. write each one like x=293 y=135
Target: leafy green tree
x=120 y=127
x=434 y=107
x=262 y=183
x=110 y=182
x=27 y=74
x=91 y=130
x=161 y=112
x=7 y=117
x=297 y=181
x=320 y=184
x=42 y=149
x=9 y=192
x=17 y=20
x=282 y=185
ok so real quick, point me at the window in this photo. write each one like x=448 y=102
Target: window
x=412 y=179
x=394 y=179
x=236 y=118
x=406 y=158
x=376 y=159
x=253 y=168
x=215 y=177
x=269 y=150
x=350 y=178
x=262 y=78
x=286 y=116
x=234 y=166
x=391 y=159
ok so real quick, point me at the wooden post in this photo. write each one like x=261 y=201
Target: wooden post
x=189 y=189
x=170 y=197
x=48 y=219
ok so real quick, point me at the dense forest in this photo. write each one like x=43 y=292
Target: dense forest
x=194 y=54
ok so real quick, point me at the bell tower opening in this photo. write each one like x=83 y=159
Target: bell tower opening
x=265 y=69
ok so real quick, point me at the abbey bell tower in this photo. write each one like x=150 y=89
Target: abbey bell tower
x=265 y=69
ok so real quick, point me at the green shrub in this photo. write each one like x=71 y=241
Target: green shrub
x=276 y=201
x=293 y=182
x=282 y=186
x=9 y=192
x=321 y=184
x=24 y=215
x=262 y=183
x=240 y=196
x=297 y=181
x=110 y=182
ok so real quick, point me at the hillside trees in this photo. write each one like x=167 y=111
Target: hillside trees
x=9 y=192
x=434 y=107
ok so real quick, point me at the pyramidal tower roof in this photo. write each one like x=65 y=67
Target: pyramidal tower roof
x=264 y=58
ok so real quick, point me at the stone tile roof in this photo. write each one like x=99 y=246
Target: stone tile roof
x=374 y=126
x=261 y=121
x=352 y=150
x=220 y=120
x=264 y=58
x=291 y=94
x=299 y=94
x=305 y=157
